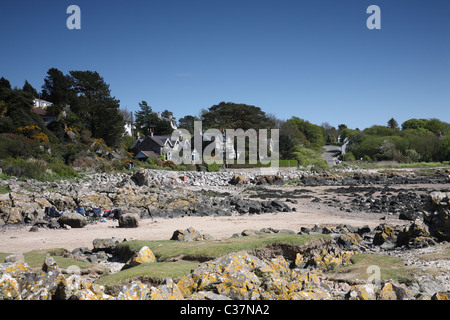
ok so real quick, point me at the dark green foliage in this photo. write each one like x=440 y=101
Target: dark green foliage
x=27 y=87
x=187 y=123
x=310 y=135
x=147 y=121
x=16 y=146
x=228 y=115
x=22 y=168
x=424 y=140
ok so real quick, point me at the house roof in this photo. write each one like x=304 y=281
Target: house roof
x=147 y=154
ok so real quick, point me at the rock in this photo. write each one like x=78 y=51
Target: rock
x=136 y=290
x=9 y=288
x=189 y=234
x=438 y=215
x=72 y=219
x=239 y=179
x=384 y=233
x=414 y=234
x=268 y=179
x=15 y=258
x=106 y=245
x=11 y=215
x=167 y=291
x=362 y=292
x=144 y=255
x=141 y=178
x=349 y=240
x=391 y=291
x=129 y=220
x=441 y=296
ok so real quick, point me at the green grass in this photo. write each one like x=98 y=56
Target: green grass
x=4 y=189
x=390 y=268
x=176 y=259
x=35 y=259
x=152 y=273
x=203 y=250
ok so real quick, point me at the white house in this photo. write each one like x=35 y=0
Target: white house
x=41 y=103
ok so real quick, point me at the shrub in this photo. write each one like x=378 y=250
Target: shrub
x=349 y=156
x=23 y=169
x=169 y=164
x=62 y=170
x=310 y=158
x=213 y=167
x=14 y=146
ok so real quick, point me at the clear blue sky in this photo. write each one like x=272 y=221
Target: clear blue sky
x=314 y=59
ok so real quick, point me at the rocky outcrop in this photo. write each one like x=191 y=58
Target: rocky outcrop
x=236 y=276
x=129 y=220
x=438 y=215
x=190 y=234
x=73 y=220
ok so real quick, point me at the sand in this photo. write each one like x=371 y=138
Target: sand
x=19 y=240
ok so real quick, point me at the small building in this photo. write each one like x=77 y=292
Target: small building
x=41 y=103
x=156 y=146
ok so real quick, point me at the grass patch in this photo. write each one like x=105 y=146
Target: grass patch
x=4 y=189
x=176 y=259
x=151 y=273
x=35 y=259
x=204 y=250
x=390 y=268
x=440 y=255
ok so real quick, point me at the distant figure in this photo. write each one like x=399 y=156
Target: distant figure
x=97 y=212
x=131 y=165
x=81 y=211
x=53 y=213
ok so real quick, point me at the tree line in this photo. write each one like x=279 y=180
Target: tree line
x=88 y=119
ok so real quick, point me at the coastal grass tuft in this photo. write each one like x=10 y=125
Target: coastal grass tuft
x=205 y=250
x=390 y=268
x=176 y=259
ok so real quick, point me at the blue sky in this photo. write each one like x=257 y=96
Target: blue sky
x=314 y=59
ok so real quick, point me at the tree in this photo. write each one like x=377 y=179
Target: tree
x=96 y=107
x=146 y=119
x=392 y=123
x=4 y=84
x=29 y=88
x=229 y=115
x=57 y=88
x=187 y=122
x=313 y=135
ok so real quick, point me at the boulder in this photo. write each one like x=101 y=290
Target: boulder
x=239 y=179
x=11 y=215
x=136 y=290
x=189 y=234
x=416 y=234
x=168 y=290
x=13 y=258
x=349 y=240
x=144 y=255
x=72 y=219
x=438 y=215
x=129 y=220
x=384 y=233
x=268 y=179
x=106 y=245
x=362 y=292
x=141 y=178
